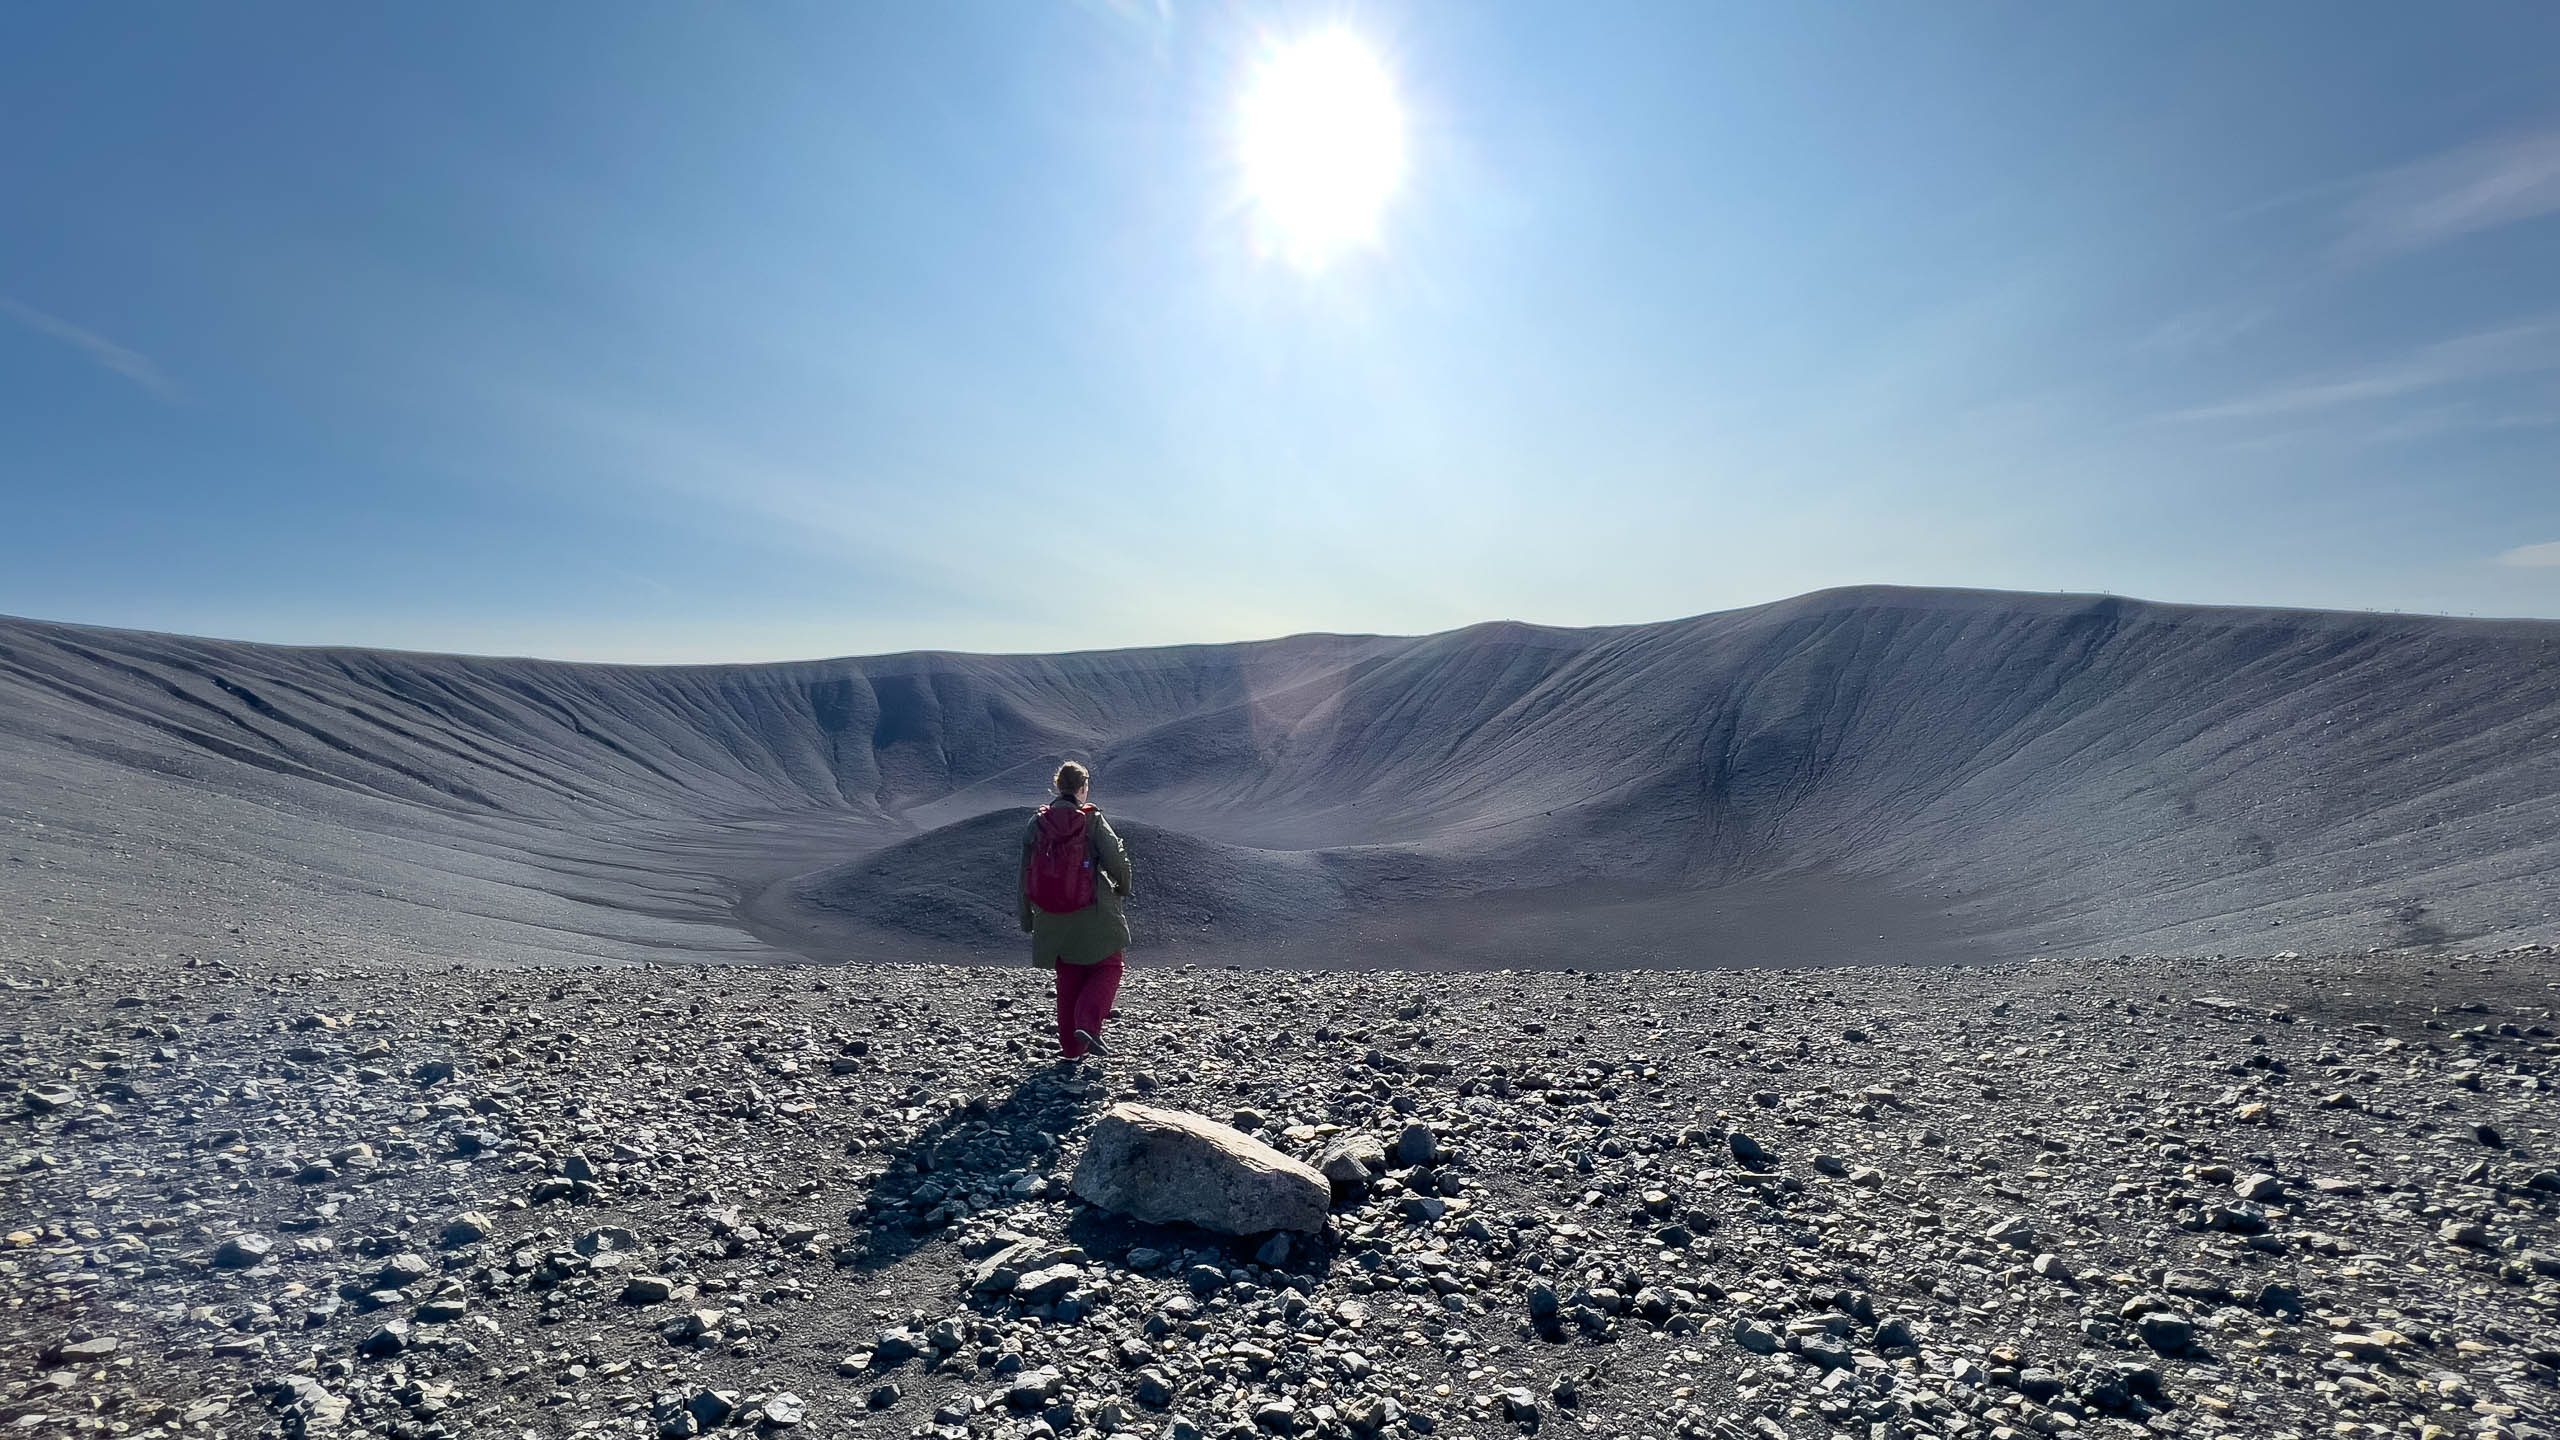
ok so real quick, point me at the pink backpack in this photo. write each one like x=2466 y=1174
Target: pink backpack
x=1061 y=877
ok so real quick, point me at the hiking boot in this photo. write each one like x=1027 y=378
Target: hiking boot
x=1092 y=1044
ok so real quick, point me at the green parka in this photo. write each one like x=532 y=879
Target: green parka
x=1098 y=931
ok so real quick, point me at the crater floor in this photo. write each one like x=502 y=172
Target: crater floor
x=2287 y=1196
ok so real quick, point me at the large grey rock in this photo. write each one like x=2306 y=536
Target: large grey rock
x=1167 y=1167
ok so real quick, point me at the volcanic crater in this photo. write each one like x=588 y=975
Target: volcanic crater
x=1855 y=775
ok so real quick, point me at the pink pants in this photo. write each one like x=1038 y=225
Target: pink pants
x=1085 y=993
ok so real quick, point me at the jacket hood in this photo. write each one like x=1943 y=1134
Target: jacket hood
x=1059 y=822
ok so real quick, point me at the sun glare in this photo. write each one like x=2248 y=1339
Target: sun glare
x=1323 y=143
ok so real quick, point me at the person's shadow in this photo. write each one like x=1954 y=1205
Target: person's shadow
x=964 y=1156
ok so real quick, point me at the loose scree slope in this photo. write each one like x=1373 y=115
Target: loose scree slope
x=1854 y=775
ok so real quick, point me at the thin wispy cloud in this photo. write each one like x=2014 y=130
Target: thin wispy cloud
x=1153 y=12
x=2206 y=328
x=893 y=519
x=105 y=353
x=2443 y=198
x=2460 y=419
x=2535 y=556
x=2485 y=355
x=1150 y=19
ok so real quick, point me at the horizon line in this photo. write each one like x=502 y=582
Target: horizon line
x=1945 y=591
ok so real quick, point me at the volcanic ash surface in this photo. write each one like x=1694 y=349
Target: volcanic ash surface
x=2255 y=1198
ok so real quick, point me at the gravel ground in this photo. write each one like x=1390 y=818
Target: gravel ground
x=2270 y=1197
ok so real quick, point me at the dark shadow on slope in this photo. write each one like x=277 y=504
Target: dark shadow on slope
x=953 y=886
x=2417 y=931
x=1805 y=917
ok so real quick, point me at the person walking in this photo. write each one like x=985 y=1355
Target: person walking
x=1076 y=922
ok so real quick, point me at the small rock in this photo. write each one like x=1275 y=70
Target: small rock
x=1824 y=1352
x=242 y=1251
x=647 y=1289
x=1032 y=1388
x=1045 y=1285
x=469 y=1228
x=2260 y=1188
x=2279 y=1299
x=2466 y=1234
x=2237 y=1219
x=2166 y=1331
x=711 y=1407
x=45 y=1099
x=2196 y=1285
x=1543 y=1301
x=1417 y=1145
x=1350 y=1163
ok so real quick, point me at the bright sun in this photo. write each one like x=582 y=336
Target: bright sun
x=1323 y=146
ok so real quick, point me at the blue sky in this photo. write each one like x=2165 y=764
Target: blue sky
x=647 y=331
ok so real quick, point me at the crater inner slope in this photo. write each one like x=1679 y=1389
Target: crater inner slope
x=1854 y=774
